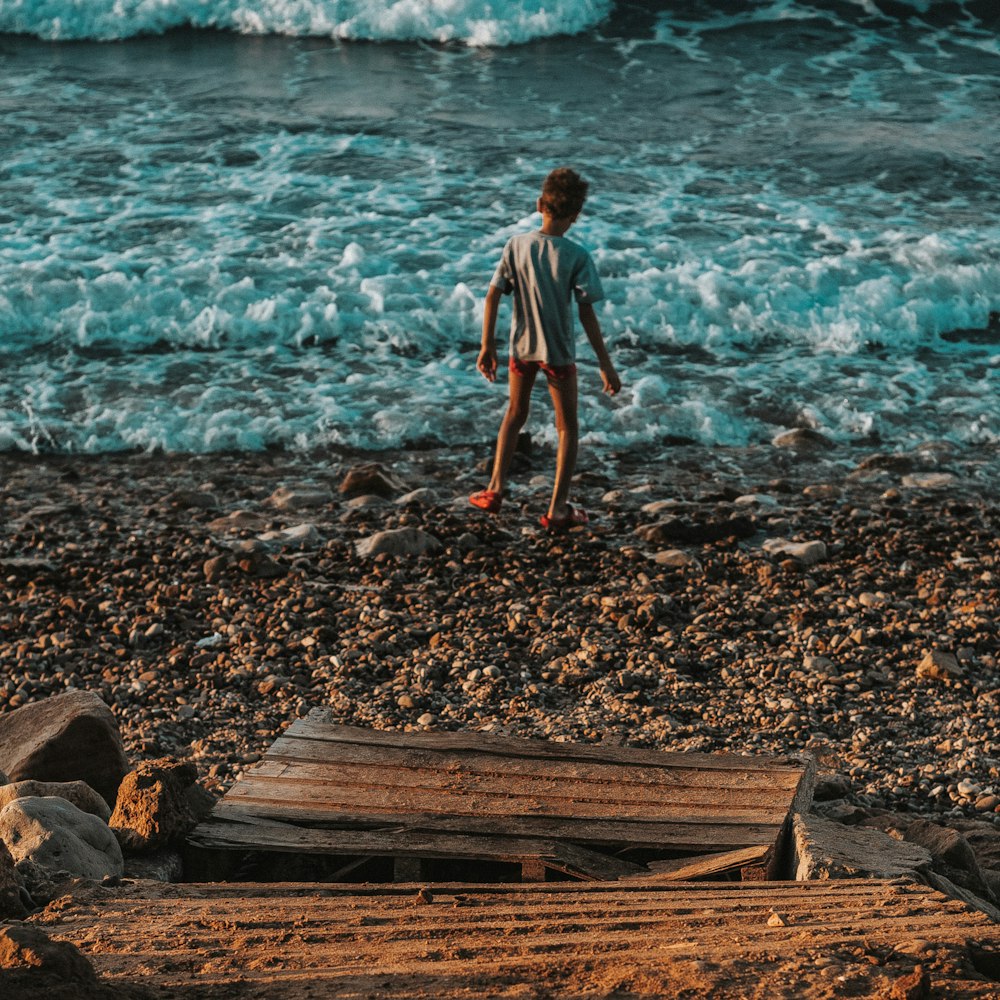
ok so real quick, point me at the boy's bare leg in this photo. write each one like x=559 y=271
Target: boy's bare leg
x=564 y=399
x=513 y=420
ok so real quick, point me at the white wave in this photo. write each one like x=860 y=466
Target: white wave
x=474 y=22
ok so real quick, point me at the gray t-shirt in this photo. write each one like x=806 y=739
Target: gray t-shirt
x=543 y=271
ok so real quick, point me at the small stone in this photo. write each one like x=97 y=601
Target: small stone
x=929 y=480
x=238 y=520
x=423 y=897
x=674 y=558
x=821 y=491
x=301 y=536
x=939 y=665
x=368 y=479
x=988 y=803
x=755 y=500
x=284 y=498
x=427 y=719
x=968 y=788
x=802 y=439
x=819 y=665
x=405 y=701
x=215 y=567
x=423 y=497
x=777 y=919
x=398 y=542
x=805 y=553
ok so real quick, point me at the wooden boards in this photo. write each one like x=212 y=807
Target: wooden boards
x=572 y=940
x=323 y=788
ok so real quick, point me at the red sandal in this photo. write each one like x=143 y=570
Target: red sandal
x=488 y=500
x=573 y=518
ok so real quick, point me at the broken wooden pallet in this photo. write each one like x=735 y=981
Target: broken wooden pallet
x=356 y=794
x=573 y=940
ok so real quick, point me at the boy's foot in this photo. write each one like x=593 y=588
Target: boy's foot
x=573 y=518
x=488 y=500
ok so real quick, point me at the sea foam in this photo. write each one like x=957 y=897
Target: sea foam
x=474 y=22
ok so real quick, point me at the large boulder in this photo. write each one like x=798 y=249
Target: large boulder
x=24 y=946
x=154 y=808
x=68 y=737
x=78 y=792
x=54 y=834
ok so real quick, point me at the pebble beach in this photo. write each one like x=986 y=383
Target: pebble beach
x=772 y=599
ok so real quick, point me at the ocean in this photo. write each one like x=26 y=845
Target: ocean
x=236 y=225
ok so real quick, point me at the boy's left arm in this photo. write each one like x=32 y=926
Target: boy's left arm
x=487 y=361
x=609 y=376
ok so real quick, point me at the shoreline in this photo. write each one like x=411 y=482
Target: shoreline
x=584 y=636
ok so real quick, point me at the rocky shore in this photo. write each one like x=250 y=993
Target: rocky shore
x=772 y=599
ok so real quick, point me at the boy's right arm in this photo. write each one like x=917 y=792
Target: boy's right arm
x=609 y=376
x=487 y=363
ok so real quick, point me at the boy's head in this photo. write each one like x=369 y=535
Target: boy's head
x=563 y=194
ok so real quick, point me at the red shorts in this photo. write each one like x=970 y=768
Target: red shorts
x=554 y=373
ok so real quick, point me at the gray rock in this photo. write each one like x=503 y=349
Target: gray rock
x=69 y=737
x=929 y=480
x=802 y=439
x=825 y=849
x=806 y=553
x=54 y=834
x=398 y=542
x=300 y=536
x=284 y=498
x=78 y=792
x=423 y=497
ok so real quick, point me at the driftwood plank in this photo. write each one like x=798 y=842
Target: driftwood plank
x=257 y=787
x=284 y=837
x=316 y=727
x=417 y=766
x=707 y=865
x=699 y=837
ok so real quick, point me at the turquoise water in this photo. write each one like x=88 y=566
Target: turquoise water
x=212 y=240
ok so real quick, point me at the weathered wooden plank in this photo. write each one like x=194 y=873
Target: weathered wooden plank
x=607 y=784
x=257 y=787
x=707 y=865
x=500 y=941
x=699 y=837
x=316 y=727
x=284 y=837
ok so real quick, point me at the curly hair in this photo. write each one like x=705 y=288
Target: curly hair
x=563 y=193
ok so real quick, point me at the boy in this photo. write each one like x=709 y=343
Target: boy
x=543 y=269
